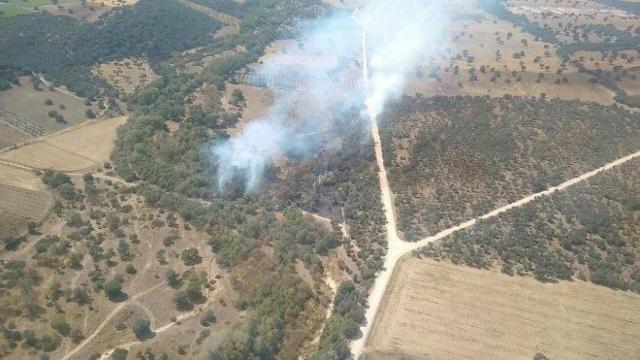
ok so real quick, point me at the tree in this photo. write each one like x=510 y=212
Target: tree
x=182 y=301
x=32 y=228
x=60 y=324
x=131 y=270
x=142 y=329
x=120 y=354
x=90 y=114
x=173 y=279
x=208 y=318
x=12 y=242
x=113 y=289
x=191 y=257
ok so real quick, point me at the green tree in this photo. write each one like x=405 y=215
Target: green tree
x=113 y=290
x=142 y=329
x=191 y=257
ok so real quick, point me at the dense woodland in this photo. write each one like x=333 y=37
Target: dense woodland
x=452 y=159
x=177 y=166
x=589 y=232
x=65 y=49
x=174 y=172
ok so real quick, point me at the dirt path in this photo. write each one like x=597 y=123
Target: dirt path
x=106 y=320
x=210 y=294
x=398 y=248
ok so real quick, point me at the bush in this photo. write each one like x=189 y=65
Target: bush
x=113 y=290
x=12 y=243
x=120 y=354
x=49 y=343
x=191 y=257
x=61 y=325
x=170 y=240
x=141 y=328
x=173 y=279
x=208 y=318
x=182 y=301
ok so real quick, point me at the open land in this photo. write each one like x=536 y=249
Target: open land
x=26 y=110
x=76 y=150
x=126 y=75
x=440 y=311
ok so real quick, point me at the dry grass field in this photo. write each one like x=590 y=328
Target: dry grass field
x=443 y=311
x=24 y=198
x=78 y=149
x=24 y=101
x=502 y=59
x=126 y=75
x=10 y=136
x=564 y=15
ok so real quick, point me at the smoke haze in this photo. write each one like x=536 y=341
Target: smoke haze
x=325 y=72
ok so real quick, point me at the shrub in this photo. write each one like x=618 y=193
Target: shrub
x=208 y=318
x=191 y=257
x=141 y=328
x=113 y=290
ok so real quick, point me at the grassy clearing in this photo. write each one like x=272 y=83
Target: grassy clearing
x=126 y=75
x=443 y=311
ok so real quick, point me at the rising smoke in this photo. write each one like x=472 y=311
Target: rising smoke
x=399 y=33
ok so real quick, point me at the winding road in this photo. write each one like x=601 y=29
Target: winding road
x=396 y=246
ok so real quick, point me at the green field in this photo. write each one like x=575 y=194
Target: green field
x=12 y=8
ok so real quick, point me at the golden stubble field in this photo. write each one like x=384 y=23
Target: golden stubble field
x=78 y=149
x=23 y=198
x=437 y=310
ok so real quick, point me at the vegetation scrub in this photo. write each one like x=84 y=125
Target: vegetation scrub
x=396 y=248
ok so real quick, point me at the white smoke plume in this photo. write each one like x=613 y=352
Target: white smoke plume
x=399 y=34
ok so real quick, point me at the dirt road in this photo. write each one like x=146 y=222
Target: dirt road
x=106 y=320
x=396 y=247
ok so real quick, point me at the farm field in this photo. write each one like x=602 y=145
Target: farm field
x=24 y=102
x=24 y=197
x=78 y=149
x=10 y=136
x=441 y=311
